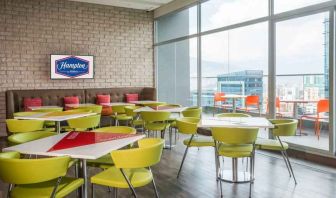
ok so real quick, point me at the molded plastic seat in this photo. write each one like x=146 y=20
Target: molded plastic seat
x=282 y=127
x=119 y=114
x=194 y=112
x=92 y=108
x=38 y=177
x=20 y=138
x=106 y=160
x=155 y=120
x=129 y=110
x=235 y=151
x=132 y=166
x=84 y=123
x=199 y=141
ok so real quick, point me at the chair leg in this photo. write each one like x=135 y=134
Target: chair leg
x=290 y=166
x=155 y=189
x=221 y=188
x=115 y=192
x=10 y=186
x=92 y=192
x=283 y=155
x=251 y=175
x=301 y=122
x=184 y=156
x=170 y=137
x=128 y=182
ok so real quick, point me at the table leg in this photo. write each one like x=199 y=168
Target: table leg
x=84 y=190
x=233 y=105
x=235 y=176
x=58 y=127
x=295 y=110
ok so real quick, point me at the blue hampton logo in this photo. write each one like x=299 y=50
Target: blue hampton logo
x=71 y=66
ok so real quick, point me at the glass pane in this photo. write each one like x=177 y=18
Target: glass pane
x=177 y=72
x=219 y=13
x=176 y=25
x=235 y=62
x=302 y=76
x=286 y=5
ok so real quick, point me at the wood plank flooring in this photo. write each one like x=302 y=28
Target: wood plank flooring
x=198 y=178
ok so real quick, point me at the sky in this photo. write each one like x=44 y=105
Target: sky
x=299 y=42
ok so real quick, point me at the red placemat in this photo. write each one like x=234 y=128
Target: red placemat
x=83 y=138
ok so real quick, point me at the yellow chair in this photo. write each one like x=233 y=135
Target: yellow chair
x=106 y=161
x=26 y=131
x=37 y=177
x=25 y=113
x=119 y=114
x=92 y=108
x=153 y=104
x=154 y=121
x=223 y=115
x=135 y=122
x=283 y=127
x=194 y=112
x=132 y=166
x=54 y=109
x=235 y=143
x=84 y=123
x=188 y=125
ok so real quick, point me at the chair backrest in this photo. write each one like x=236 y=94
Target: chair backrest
x=49 y=109
x=119 y=109
x=25 y=113
x=148 y=154
x=187 y=125
x=252 y=101
x=323 y=106
x=93 y=108
x=129 y=110
x=155 y=116
x=10 y=155
x=29 y=171
x=153 y=104
x=284 y=127
x=195 y=112
x=29 y=136
x=78 y=111
x=234 y=136
x=116 y=129
x=223 y=115
x=87 y=122
x=218 y=97
x=21 y=126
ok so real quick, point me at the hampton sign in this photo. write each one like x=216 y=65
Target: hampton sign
x=68 y=66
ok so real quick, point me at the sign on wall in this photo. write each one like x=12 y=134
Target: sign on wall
x=69 y=66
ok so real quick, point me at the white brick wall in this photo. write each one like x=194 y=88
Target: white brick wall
x=120 y=39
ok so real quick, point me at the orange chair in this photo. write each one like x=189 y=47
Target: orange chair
x=219 y=102
x=277 y=108
x=322 y=107
x=251 y=103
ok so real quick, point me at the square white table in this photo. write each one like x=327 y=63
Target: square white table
x=235 y=122
x=112 y=104
x=171 y=110
x=44 y=107
x=143 y=102
x=79 y=105
x=91 y=151
x=57 y=119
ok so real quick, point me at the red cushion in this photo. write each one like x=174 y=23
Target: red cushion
x=132 y=97
x=103 y=99
x=70 y=100
x=31 y=102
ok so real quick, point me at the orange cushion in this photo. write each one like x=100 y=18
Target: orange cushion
x=106 y=111
x=132 y=97
x=102 y=99
x=31 y=102
x=70 y=100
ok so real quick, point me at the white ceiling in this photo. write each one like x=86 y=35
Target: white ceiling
x=135 y=4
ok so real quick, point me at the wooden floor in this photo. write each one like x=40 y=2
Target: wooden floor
x=198 y=178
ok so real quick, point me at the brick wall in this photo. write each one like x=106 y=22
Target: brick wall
x=120 y=39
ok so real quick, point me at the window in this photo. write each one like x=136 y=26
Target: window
x=286 y=5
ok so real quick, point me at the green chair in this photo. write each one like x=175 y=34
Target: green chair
x=119 y=114
x=283 y=128
x=37 y=177
x=26 y=131
x=25 y=113
x=153 y=104
x=223 y=115
x=106 y=160
x=235 y=143
x=92 y=108
x=188 y=125
x=194 y=112
x=154 y=121
x=135 y=122
x=84 y=123
x=10 y=155
x=49 y=124
x=132 y=167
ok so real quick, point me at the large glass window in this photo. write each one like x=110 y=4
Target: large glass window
x=302 y=68
x=177 y=24
x=219 y=13
x=286 y=5
x=234 y=63
x=177 y=72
